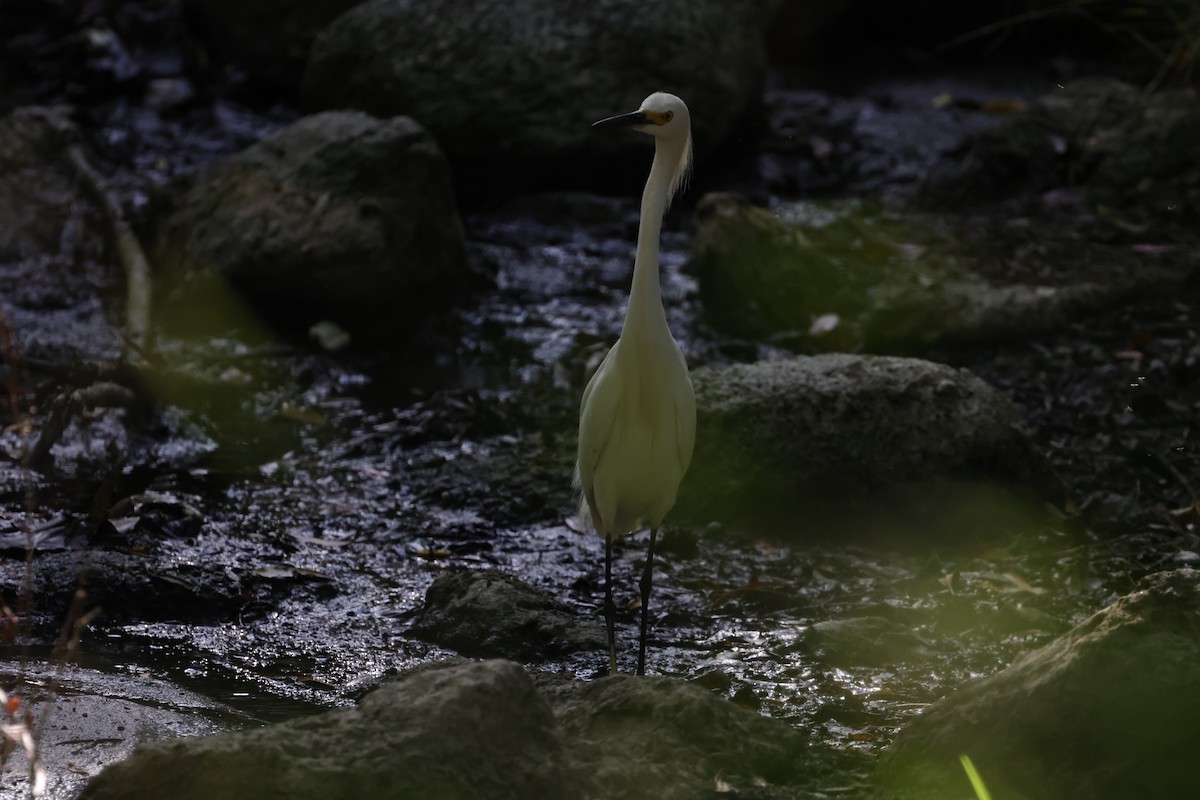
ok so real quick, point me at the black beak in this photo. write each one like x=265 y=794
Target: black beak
x=623 y=120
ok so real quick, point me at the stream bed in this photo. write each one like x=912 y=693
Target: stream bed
x=260 y=552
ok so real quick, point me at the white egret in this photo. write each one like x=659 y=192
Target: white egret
x=637 y=420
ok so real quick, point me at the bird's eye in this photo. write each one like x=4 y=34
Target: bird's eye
x=667 y=116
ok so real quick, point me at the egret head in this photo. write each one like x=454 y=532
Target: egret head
x=662 y=115
x=665 y=117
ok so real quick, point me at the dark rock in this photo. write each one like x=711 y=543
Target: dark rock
x=489 y=614
x=847 y=276
x=470 y=731
x=1109 y=710
x=667 y=739
x=481 y=730
x=338 y=216
x=760 y=275
x=780 y=437
x=270 y=39
x=914 y=317
x=527 y=79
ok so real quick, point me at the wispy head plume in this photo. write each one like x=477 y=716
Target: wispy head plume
x=683 y=172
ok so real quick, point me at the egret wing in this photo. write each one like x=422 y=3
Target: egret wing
x=685 y=424
x=597 y=414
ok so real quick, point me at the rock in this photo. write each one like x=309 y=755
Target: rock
x=338 y=217
x=484 y=613
x=1109 y=710
x=478 y=730
x=53 y=270
x=667 y=739
x=915 y=318
x=527 y=79
x=760 y=275
x=849 y=276
x=780 y=440
x=481 y=730
x=269 y=39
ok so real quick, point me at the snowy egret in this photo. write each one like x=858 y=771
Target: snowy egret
x=637 y=420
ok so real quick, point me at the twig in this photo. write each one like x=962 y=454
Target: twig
x=138 y=286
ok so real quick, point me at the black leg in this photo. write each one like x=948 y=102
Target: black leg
x=647 y=580
x=610 y=608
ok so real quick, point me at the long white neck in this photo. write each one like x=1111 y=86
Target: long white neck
x=645 y=296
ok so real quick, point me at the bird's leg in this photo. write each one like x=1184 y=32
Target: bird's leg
x=610 y=608
x=647 y=580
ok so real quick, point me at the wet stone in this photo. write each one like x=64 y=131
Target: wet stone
x=1109 y=710
x=849 y=276
x=671 y=740
x=484 y=730
x=800 y=438
x=485 y=613
x=478 y=730
x=441 y=63
x=339 y=216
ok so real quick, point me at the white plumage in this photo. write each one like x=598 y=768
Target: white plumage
x=637 y=420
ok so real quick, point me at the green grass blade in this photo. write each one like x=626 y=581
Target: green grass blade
x=977 y=784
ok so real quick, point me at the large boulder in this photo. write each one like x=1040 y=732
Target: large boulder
x=527 y=78
x=763 y=272
x=473 y=731
x=846 y=275
x=783 y=439
x=1109 y=710
x=338 y=216
x=480 y=730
